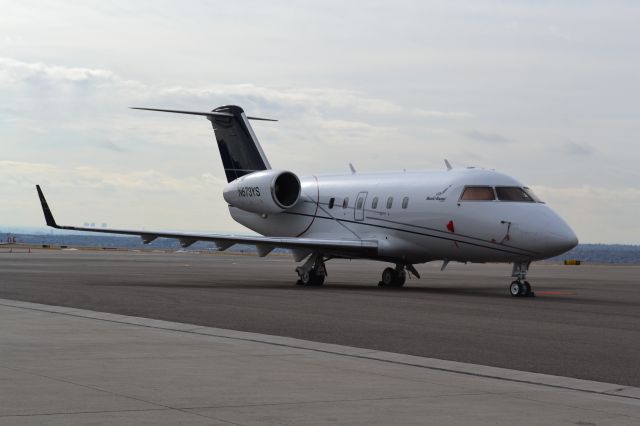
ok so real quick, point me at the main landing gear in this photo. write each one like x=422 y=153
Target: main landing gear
x=313 y=271
x=397 y=277
x=520 y=287
x=393 y=277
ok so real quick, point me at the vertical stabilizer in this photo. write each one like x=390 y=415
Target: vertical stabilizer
x=239 y=147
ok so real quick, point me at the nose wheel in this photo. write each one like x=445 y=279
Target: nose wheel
x=520 y=287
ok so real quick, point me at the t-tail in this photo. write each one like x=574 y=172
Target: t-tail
x=240 y=150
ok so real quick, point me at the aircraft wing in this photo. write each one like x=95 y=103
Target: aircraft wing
x=264 y=245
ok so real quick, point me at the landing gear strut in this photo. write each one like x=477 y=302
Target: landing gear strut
x=313 y=271
x=520 y=287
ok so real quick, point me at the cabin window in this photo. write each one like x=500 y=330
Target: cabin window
x=405 y=202
x=513 y=193
x=478 y=193
x=359 y=203
x=331 y=202
x=374 y=203
x=345 y=203
x=389 y=202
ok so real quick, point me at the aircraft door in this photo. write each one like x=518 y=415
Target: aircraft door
x=358 y=211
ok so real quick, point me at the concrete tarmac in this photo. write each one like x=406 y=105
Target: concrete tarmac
x=66 y=366
x=585 y=322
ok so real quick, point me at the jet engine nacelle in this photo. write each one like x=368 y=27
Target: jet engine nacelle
x=266 y=191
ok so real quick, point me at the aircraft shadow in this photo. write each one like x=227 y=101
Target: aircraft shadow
x=332 y=287
x=480 y=291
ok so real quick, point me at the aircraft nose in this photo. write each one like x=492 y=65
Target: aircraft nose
x=560 y=237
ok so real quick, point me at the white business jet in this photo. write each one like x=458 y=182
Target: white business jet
x=403 y=218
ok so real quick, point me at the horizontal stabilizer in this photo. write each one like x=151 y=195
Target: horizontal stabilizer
x=204 y=113
x=239 y=148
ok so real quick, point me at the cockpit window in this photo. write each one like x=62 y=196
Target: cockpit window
x=478 y=193
x=532 y=195
x=513 y=193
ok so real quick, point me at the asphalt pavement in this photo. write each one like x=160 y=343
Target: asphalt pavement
x=584 y=323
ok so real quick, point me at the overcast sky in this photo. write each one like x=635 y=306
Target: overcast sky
x=546 y=91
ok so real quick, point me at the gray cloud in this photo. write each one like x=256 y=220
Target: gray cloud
x=574 y=148
x=112 y=89
x=488 y=137
x=13 y=71
x=390 y=90
x=111 y=146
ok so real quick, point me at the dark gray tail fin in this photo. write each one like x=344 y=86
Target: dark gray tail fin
x=239 y=147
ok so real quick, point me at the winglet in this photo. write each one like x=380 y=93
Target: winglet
x=446 y=163
x=48 y=216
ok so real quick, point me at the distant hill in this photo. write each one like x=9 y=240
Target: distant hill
x=113 y=241
x=603 y=253
x=592 y=253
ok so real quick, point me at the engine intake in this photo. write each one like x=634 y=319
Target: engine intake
x=286 y=189
x=266 y=191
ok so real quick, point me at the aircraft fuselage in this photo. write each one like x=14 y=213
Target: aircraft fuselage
x=425 y=220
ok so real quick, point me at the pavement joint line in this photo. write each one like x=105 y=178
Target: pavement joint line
x=204 y=407
x=68 y=413
x=528 y=397
x=110 y=392
x=506 y=374
x=73 y=413
x=98 y=389
x=330 y=401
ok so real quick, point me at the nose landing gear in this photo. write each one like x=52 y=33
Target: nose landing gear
x=520 y=287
